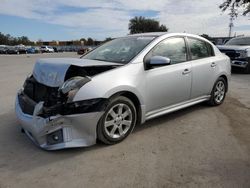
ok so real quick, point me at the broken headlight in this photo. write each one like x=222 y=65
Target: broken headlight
x=72 y=85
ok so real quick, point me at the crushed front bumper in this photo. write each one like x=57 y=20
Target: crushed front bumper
x=59 y=131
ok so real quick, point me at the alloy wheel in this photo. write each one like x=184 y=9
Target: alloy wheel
x=118 y=121
x=219 y=92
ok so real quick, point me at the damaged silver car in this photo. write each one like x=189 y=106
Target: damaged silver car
x=70 y=102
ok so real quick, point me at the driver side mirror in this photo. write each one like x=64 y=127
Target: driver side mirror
x=157 y=61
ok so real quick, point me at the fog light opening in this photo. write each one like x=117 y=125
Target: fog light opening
x=55 y=137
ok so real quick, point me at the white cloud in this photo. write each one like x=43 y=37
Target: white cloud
x=198 y=17
x=110 y=18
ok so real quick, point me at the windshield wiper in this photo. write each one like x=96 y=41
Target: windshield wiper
x=107 y=61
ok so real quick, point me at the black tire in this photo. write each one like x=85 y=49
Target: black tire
x=247 y=69
x=213 y=101
x=102 y=134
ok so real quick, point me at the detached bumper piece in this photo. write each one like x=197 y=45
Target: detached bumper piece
x=62 y=125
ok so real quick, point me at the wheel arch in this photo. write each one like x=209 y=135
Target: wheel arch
x=135 y=99
x=226 y=79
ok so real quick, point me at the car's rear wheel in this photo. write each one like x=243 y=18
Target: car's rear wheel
x=218 y=93
x=118 y=121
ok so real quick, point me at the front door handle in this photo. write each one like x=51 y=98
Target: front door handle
x=186 y=71
x=213 y=64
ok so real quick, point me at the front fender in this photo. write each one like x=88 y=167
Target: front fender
x=126 y=78
x=90 y=91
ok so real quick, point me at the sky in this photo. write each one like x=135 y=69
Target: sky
x=99 y=19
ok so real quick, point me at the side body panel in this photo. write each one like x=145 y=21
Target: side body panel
x=206 y=71
x=167 y=85
x=204 y=74
x=133 y=78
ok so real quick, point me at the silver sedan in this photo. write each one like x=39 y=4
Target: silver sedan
x=70 y=102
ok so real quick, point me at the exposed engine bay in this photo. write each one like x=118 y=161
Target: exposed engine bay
x=59 y=100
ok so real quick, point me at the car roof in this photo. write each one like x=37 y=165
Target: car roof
x=155 y=34
x=159 y=34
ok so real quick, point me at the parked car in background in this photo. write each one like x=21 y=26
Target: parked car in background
x=3 y=49
x=55 y=49
x=33 y=50
x=72 y=102
x=46 y=49
x=22 y=49
x=82 y=51
x=238 y=49
x=12 y=50
x=60 y=49
x=16 y=50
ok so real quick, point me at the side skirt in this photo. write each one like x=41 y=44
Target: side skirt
x=172 y=108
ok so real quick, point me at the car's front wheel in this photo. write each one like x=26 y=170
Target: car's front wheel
x=218 y=93
x=118 y=120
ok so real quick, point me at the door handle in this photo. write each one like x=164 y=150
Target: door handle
x=186 y=71
x=213 y=64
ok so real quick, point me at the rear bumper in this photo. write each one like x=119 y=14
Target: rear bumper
x=59 y=132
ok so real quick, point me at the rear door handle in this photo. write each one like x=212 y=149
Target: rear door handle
x=213 y=64
x=186 y=71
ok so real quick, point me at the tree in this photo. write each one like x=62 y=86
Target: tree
x=235 y=5
x=84 y=41
x=3 y=39
x=10 y=40
x=108 y=39
x=143 y=25
x=23 y=40
x=90 y=42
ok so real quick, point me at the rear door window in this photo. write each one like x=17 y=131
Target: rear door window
x=199 y=49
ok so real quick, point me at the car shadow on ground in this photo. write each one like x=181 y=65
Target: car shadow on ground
x=169 y=117
x=18 y=153
x=236 y=71
x=23 y=155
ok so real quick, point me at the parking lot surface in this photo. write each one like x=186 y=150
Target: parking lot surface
x=199 y=146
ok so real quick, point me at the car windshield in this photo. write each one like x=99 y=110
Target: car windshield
x=121 y=50
x=239 y=41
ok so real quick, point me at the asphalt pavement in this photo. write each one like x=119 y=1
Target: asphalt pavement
x=200 y=146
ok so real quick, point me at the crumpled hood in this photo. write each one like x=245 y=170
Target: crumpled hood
x=52 y=71
x=232 y=47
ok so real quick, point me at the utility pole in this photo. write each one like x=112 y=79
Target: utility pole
x=231 y=24
x=232 y=15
